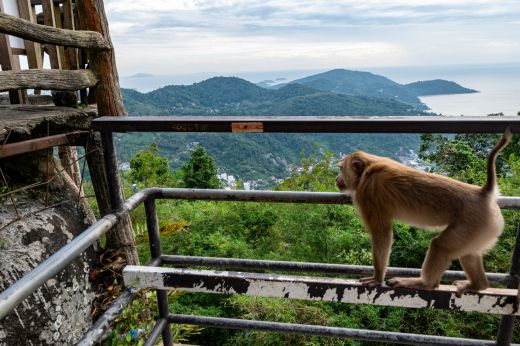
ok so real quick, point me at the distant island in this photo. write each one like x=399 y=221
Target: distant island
x=141 y=75
x=438 y=87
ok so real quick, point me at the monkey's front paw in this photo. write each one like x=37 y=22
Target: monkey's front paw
x=416 y=283
x=371 y=281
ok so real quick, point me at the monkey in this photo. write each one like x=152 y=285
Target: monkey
x=383 y=190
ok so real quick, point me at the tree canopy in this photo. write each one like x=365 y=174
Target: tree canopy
x=200 y=171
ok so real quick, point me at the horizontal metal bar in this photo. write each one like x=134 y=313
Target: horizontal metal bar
x=103 y=323
x=335 y=332
x=494 y=300
x=344 y=269
x=314 y=124
x=277 y=196
x=73 y=138
x=255 y=196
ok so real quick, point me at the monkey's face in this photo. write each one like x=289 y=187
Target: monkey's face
x=351 y=168
x=342 y=180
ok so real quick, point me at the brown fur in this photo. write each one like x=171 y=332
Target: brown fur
x=384 y=190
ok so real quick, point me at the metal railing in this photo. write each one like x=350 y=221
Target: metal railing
x=107 y=125
x=31 y=282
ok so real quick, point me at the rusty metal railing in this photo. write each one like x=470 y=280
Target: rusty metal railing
x=107 y=125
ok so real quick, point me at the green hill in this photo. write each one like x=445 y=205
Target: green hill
x=235 y=96
x=437 y=87
x=358 y=83
x=258 y=156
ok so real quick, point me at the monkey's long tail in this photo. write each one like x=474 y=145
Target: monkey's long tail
x=491 y=163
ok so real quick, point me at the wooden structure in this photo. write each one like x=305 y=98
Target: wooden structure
x=80 y=60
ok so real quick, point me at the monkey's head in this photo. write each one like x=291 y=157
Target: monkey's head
x=351 y=169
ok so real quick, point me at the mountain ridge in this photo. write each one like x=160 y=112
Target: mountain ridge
x=236 y=96
x=362 y=83
x=261 y=156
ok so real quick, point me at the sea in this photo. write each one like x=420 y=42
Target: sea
x=498 y=84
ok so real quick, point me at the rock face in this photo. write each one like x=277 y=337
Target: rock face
x=44 y=220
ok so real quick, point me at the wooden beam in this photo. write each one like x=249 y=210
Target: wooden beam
x=109 y=102
x=49 y=20
x=18 y=51
x=70 y=60
x=70 y=80
x=9 y=62
x=44 y=34
x=33 y=49
x=108 y=93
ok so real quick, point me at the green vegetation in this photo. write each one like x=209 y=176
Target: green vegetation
x=200 y=172
x=336 y=92
x=235 y=96
x=258 y=156
x=360 y=83
x=255 y=156
x=329 y=234
x=147 y=168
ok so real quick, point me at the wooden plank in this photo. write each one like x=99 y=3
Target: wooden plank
x=58 y=23
x=9 y=62
x=33 y=49
x=49 y=20
x=499 y=301
x=18 y=51
x=71 y=54
x=44 y=34
x=70 y=80
x=31 y=145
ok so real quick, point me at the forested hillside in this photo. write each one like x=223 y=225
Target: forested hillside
x=259 y=156
x=235 y=96
x=360 y=83
x=254 y=157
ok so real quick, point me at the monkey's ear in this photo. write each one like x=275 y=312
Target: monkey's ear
x=358 y=166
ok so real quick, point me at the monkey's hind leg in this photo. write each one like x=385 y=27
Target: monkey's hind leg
x=474 y=269
x=442 y=250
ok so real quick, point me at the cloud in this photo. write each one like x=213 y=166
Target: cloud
x=248 y=34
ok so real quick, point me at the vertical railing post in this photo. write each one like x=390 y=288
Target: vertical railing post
x=155 y=251
x=507 y=322
x=122 y=236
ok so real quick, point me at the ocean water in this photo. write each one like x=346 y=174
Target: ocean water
x=498 y=85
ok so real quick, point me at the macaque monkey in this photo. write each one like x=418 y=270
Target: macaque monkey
x=383 y=190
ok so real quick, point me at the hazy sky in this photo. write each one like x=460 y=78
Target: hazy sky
x=181 y=36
